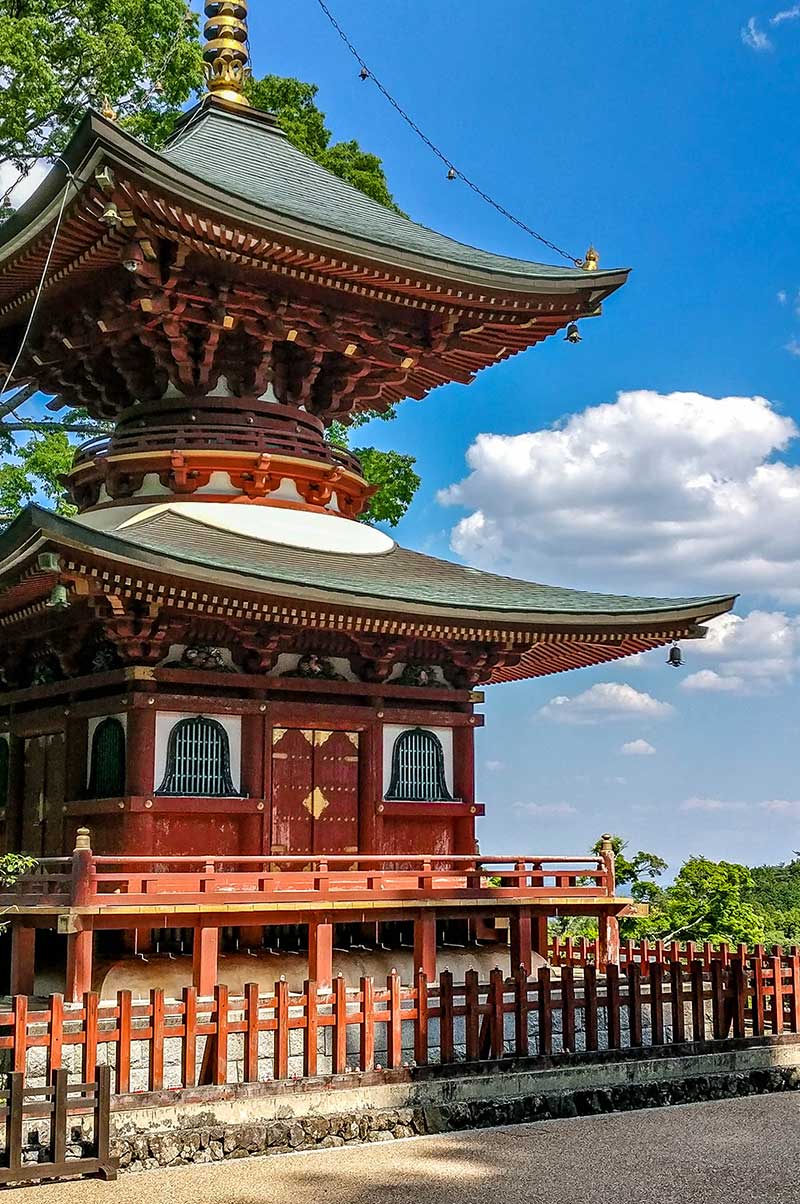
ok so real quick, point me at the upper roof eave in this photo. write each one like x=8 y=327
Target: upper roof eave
x=97 y=140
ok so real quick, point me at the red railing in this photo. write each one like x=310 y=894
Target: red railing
x=579 y=952
x=156 y=1044
x=89 y=880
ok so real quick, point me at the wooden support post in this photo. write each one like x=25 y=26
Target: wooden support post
x=540 y=937
x=425 y=946
x=521 y=941
x=320 y=953
x=79 y=964
x=205 y=958
x=609 y=940
x=22 y=959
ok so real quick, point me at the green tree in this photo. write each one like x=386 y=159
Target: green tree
x=144 y=58
x=706 y=902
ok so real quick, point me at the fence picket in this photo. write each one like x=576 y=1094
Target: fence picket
x=698 y=1001
x=189 y=1053
x=55 y=1035
x=520 y=1012
x=394 y=1027
x=446 y=1039
x=568 y=1009
x=590 y=1006
x=339 y=1025
x=156 y=1076
x=613 y=1006
x=545 y=1011
x=676 y=1002
x=657 y=1001
x=90 y=1005
x=367 y=1035
x=251 y=1032
x=421 y=1026
x=472 y=1018
x=280 y=1048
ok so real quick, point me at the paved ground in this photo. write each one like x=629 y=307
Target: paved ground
x=729 y=1152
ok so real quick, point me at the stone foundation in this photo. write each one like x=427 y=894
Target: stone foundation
x=211 y=1124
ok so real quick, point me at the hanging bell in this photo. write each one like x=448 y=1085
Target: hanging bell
x=573 y=335
x=452 y=173
x=59 y=598
x=363 y=74
x=675 y=659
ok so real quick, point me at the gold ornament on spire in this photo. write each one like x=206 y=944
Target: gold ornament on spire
x=591 y=261
x=225 y=54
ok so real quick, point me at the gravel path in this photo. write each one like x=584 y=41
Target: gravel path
x=726 y=1152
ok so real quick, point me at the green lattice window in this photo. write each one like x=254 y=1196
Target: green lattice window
x=418 y=768
x=107 y=765
x=198 y=760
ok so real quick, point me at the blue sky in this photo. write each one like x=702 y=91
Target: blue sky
x=666 y=135
x=658 y=457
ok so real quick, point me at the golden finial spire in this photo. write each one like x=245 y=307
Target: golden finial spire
x=225 y=55
x=591 y=261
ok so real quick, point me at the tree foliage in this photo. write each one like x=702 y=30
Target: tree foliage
x=144 y=58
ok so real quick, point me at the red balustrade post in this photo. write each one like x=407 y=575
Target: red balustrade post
x=84 y=871
x=80 y=939
x=79 y=963
x=320 y=953
x=608 y=859
x=609 y=940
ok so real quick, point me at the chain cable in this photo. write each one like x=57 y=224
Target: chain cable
x=454 y=172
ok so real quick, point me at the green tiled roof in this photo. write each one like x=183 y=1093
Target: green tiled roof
x=248 y=155
x=397 y=576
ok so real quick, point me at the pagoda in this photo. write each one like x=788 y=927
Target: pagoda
x=237 y=703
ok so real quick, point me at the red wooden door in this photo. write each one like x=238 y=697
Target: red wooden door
x=314 y=791
x=335 y=799
x=292 y=787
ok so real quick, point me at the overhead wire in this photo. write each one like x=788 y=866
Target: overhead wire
x=454 y=172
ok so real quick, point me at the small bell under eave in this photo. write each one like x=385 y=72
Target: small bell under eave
x=59 y=598
x=675 y=658
x=573 y=335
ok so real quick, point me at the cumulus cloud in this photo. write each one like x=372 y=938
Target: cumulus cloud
x=751 y=652
x=676 y=493
x=786 y=14
x=711 y=804
x=546 y=808
x=637 y=748
x=754 y=37
x=606 y=701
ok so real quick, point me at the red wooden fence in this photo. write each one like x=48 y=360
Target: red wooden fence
x=569 y=951
x=181 y=1043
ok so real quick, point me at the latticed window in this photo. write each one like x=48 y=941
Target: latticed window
x=418 y=768
x=3 y=772
x=198 y=760
x=107 y=765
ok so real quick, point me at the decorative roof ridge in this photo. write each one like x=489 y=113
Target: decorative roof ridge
x=208 y=105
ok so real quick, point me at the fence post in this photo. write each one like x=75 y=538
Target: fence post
x=758 y=994
x=394 y=1027
x=421 y=1024
x=55 y=1035
x=676 y=1002
x=794 y=1005
x=657 y=1000
x=219 y=1073
x=16 y=1086
x=189 y=1037
x=698 y=1002
x=496 y=1012
x=102 y=1121
x=720 y=1023
x=590 y=1006
x=545 y=1011
x=281 y=1040
x=777 y=994
x=339 y=1025
x=251 y=1034
x=58 y=1117
x=613 y=1006
x=446 y=1037
x=19 y=1057
x=367 y=1042
x=520 y=1012
x=739 y=987
x=471 y=1016
x=568 y=1009
x=635 y=1004
x=156 y=1075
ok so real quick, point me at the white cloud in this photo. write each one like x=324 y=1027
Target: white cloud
x=605 y=701
x=790 y=807
x=671 y=493
x=637 y=748
x=751 y=652
x=546 y=808
x=754 y=37
x=782 y=296
x=494 y=766
x=707 y=679
x=787 y=14
x=793 y=346
x=27 y=186
x=710 y=804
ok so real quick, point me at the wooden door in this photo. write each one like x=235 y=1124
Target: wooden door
x=314 y=791
x=335 y=801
